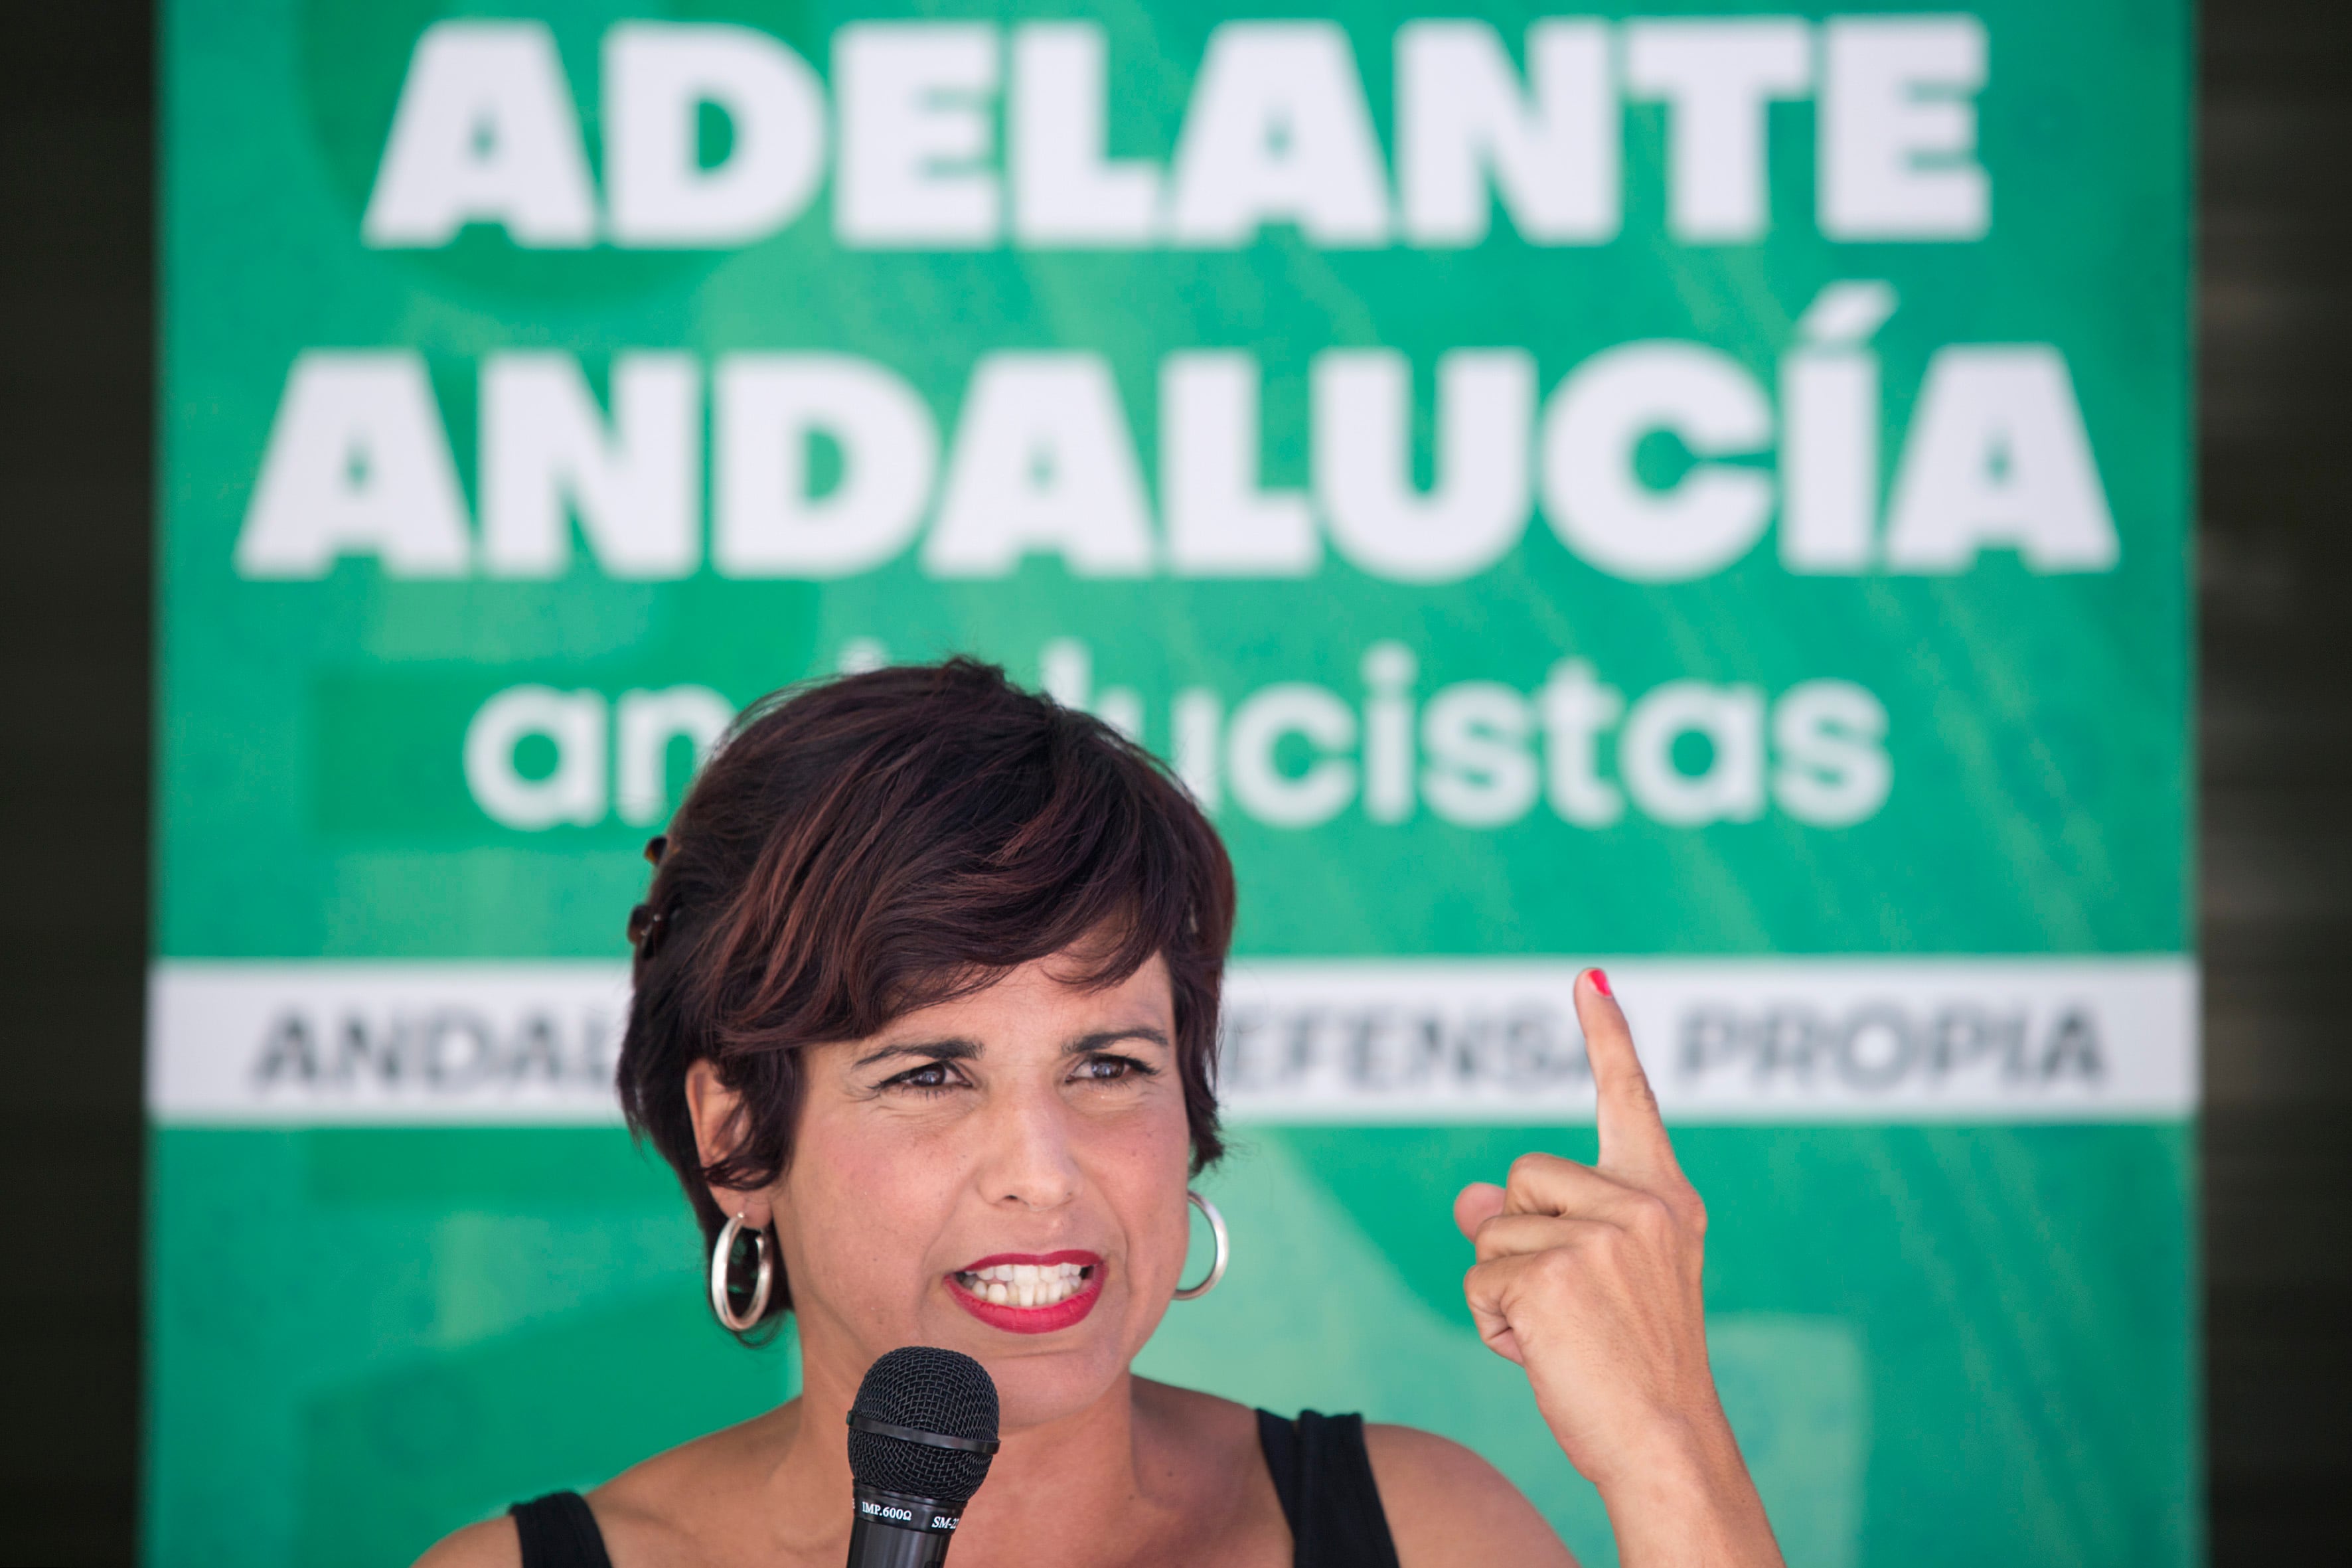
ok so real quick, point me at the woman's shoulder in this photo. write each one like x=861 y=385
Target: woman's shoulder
x=654 y=1512
x=635 y=1507
x=1195 y=1419
x=1445 y=1505
x=492 y=1544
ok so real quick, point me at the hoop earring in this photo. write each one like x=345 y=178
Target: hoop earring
x=762 y=1284
x=1224 y=1248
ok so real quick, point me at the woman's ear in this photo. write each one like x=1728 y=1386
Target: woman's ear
x=718 y=1112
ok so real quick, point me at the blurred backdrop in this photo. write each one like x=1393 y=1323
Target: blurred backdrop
x=1867 y=1457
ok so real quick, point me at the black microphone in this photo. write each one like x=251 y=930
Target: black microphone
x=920 y=1437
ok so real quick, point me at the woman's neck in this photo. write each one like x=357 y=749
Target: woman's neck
x=1063 y=1487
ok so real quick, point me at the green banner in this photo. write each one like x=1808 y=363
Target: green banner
x=1705 y=493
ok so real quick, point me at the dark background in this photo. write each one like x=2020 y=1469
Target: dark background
x=76 y=361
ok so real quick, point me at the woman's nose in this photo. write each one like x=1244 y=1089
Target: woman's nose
x=1029 y=1160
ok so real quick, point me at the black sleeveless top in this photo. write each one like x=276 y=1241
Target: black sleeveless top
x=1320 y=1472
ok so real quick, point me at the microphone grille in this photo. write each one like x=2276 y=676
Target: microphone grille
x=929 y=1390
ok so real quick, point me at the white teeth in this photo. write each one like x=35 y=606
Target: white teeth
x=1026 y=1284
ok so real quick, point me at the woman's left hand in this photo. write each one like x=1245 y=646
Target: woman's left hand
x=1588 y=1276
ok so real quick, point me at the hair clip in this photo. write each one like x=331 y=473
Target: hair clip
x=656 y=847
x=647 y=925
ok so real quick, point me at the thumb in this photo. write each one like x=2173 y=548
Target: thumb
x=1475 y=1204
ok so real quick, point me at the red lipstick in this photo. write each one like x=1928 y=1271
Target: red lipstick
x=970 y=1291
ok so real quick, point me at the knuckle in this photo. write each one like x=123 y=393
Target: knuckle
x=1521 y=1241
x=1483 y=1283
x=1652 y=1217
x=1694 y=1215
x=1530 y=1167
x=1559 y=1266
x=1684 y=1203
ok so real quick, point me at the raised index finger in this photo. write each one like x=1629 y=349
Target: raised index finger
x=1632 y=1134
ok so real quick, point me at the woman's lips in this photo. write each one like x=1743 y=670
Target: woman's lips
x=1061 y=1289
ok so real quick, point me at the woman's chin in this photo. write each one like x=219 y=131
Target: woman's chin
x=1034 y=1391
x=1042 y=1378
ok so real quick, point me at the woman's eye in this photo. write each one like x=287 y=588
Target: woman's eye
x=1111 y=1070
x=933 y=1077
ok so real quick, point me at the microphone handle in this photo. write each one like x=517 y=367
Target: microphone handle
x=893 y=1530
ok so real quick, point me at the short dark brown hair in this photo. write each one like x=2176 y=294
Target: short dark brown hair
x=861 y=848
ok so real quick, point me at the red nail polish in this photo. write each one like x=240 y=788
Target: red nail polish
x=1600 y=984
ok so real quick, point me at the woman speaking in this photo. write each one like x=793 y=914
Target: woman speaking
x=926 y=1020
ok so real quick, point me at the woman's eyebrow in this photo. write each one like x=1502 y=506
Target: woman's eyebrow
x=953 y=1050
x=1103 y=1039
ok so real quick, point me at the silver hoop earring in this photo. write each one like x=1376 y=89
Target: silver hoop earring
x=762 y=1284
x=1224 y=1249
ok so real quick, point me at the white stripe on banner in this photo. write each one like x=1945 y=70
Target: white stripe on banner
x=322 y=1043
x=1748 y=1040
